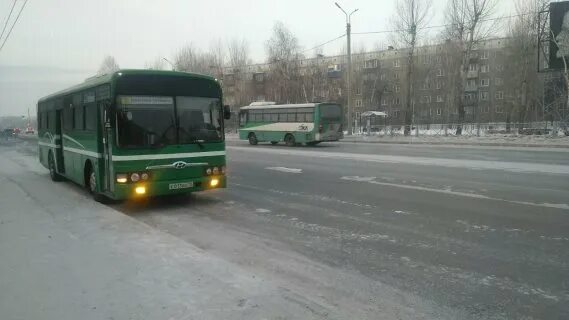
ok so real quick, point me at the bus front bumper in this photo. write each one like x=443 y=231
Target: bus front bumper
x=170 y=187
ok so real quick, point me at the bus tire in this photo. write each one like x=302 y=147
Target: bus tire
x=253 y=139
x=274 y=142
x=51 y=166
x=289 y=140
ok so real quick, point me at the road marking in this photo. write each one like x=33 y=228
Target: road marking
x=284 y=169
x=261 y=210
x=523 y=167
x=372 y=180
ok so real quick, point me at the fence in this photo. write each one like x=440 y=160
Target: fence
x=469 y=129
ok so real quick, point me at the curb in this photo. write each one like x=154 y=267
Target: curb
x=487 y=144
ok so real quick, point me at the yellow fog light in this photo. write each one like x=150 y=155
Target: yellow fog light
x=140 y=190
x=213 y=182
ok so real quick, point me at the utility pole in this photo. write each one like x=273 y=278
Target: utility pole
x=349 y=64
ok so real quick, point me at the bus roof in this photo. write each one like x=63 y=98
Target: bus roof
x=106 y=78
x=281 y=106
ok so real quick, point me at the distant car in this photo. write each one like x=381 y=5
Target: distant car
x=8 y=132
x=29 y=130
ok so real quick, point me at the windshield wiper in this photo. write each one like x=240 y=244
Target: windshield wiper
x=198 y=142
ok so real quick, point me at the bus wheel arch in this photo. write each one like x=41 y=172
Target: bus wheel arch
x=252 y=138
x=290 y=140
x=51 y=166
x=90 y=177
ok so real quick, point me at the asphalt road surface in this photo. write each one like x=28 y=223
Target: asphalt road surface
x=367 y=231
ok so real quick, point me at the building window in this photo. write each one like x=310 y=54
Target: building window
x=259 y=77
x=471 y=83
x=499 y=95
x=358 y=91
x=396 y=114
x=500 y=67
x=439 y=98
x=396 y=63
x=439 y=84
x=384 y=102
x=485 y=55
x=370 y=64
x=397 y=101
x=485 y=109
x=439 y=111
x=396 y=75
x=383 y=76
x=484 y=68
x=397 y=88
x=499 y=81
x=358 y=103
x=440 y=73
x=473 y=67
x=484 y=82
x=499 y=109
x=484 y=95
x=426 y=99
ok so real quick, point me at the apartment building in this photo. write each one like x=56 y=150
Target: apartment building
x=379 y=83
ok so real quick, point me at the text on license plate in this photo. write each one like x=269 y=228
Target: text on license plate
x=181 y=185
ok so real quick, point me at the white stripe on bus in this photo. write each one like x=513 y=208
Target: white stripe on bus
x=73 y=140
x=46 y=144
x=83 y=152
x=168 y=156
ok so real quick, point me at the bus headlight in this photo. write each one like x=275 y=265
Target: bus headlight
x=214 y=182
x=134 y=177
x=144 y=176
x=215 y=170
x=122 y=178
x=208 y=171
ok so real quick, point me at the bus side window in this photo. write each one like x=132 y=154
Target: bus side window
x=309 y=117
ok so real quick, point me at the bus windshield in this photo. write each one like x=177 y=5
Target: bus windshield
x=145 y=121
x=332 y=112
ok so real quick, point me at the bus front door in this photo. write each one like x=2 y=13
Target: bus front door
x=107 y=148
x=58 y=141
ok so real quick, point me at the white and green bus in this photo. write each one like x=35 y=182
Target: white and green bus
x=309 y=123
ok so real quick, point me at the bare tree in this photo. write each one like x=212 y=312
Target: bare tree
x=238 y=59
x=410 y=18
x=284 y=58
x=523 y=82
x=108 y=65
x=469 y=22
x=157 y=64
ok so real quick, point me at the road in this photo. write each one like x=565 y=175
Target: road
x=365 y=231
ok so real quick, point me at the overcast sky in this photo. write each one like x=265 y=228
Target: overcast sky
x=73 y=36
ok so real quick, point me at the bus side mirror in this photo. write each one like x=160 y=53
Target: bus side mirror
x=226 y=112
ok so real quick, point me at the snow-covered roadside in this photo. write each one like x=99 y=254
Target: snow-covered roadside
x=489 y=140
x=63 y=256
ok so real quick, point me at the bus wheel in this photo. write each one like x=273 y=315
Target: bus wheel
x=253 y=139
x=51 y=164
x=289 y=140
x=274 y=142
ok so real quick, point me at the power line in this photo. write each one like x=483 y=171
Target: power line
x=323 y=44
x=13 y=25
x=8 y=19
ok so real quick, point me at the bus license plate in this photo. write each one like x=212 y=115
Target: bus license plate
x=181 y=185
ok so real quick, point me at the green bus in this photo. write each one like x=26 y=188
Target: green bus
x=309 y=123
x=136 y=133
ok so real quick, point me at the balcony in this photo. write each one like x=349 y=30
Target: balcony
x=472 y=74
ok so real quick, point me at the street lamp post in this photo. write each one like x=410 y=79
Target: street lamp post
x=170 y=63
x=349 y=68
